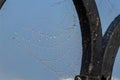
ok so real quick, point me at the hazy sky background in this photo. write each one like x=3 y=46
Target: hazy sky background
x=41 y=39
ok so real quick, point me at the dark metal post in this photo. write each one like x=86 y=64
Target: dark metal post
x=91 y=39
x=96 y=49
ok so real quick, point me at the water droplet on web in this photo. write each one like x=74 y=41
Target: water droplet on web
x=39 y=40
x=54 y=37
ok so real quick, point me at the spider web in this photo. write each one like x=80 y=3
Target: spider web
x=52 y=36
x=53 y=41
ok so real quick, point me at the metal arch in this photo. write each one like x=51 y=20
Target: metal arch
x=111 y=43
x=1 y=3
x=91 y=38
x=98 y=54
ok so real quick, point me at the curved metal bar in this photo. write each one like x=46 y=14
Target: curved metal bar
x=1 y=3
x=111 y=43
x=91 y=37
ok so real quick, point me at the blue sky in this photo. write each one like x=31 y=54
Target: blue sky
x=38 y=39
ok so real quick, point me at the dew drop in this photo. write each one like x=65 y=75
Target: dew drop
x=39 y=40
x=54 y=37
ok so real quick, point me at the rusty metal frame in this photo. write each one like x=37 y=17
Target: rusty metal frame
x=99 y=51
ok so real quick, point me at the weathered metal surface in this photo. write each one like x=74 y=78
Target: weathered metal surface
x=91 y=37
x=98 y=52
x=111 y=43
x=1 y=3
